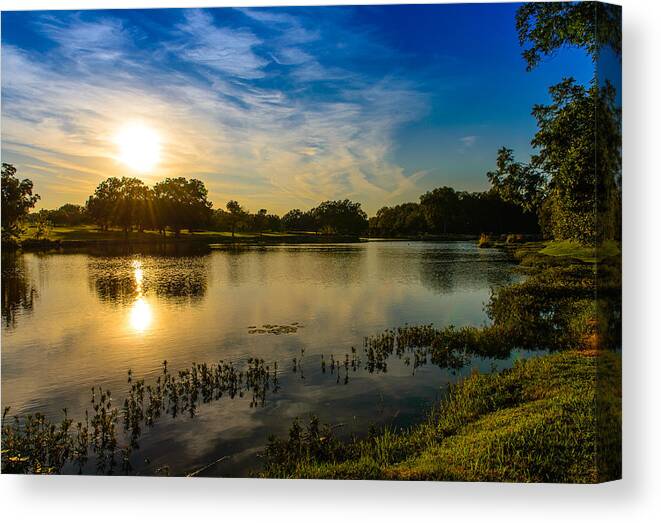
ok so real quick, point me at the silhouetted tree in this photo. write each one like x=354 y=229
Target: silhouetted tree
x=102 y=205
x=68 y=214
x=440 y=208
x=236 y=214
x=259 y=221
x=471 y=213
x=181 y=204
x=17 y=200
x=340 y=216
x=297 y=220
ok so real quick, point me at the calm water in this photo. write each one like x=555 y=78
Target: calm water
x=73 y=321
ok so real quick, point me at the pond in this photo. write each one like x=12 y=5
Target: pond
x=78 y=320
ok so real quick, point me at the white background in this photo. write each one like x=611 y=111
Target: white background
x=636 y=498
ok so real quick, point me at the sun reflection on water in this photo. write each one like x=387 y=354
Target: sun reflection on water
x=140 y=315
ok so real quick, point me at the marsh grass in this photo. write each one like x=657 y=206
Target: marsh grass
x=33 y=444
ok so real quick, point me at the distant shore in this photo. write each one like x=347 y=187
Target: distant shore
x=83 y=237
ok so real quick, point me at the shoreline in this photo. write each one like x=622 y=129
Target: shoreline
x=211 y=240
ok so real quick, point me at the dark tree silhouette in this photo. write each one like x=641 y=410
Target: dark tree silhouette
x=181 y=204
x=236 y=214
x=17 y=200
x=340 y=216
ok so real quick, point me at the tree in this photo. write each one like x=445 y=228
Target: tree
x=132 y=204
x=181 y=204
x=297 y=220
x=401 y=220
x=340 y=216
x=516 y=182
x=440 y=208
x=236 y=214
x=580 y=188
x=544 y=27
x=121 y=202
x=17 y=200
x=102 y=204
x=68 y=214
x=578 y=137
x=273 y=222
x=472 y=213
x=259 y=220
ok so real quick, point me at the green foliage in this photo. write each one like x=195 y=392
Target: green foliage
x=521 y=184
x=576 y=198
x=236 y=215
x=440 y=208
x=574 y=182
x=17 y=200
x=237 y=218
x=297 y=220
x=567 y=151
x=545 y=27
x=580 y=252
x=407 y=219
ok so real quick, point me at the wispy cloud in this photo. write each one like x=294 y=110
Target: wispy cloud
x=240 y=107
x=101 y=40
x=221 y=48
x=468 y=141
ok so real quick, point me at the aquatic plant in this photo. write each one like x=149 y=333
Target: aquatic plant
x=33 y=444
x=269 y=328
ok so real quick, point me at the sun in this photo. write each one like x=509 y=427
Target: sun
x=139 y=147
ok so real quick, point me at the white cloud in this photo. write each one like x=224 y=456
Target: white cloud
x=224 y=49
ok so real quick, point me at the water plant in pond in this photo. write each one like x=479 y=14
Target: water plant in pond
x=33 y=444
x=269 y=328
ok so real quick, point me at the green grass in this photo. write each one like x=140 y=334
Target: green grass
x=580 y=252
x=93 y=233
x=537 y=422
x=86 y=232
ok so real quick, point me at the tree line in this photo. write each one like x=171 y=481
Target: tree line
x=172 y=204
x=176 y=204
x=447 y=211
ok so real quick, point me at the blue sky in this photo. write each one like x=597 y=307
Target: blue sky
x=277 y=107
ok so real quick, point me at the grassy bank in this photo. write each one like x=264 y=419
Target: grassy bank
x=537 y=422
x=579 y=252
